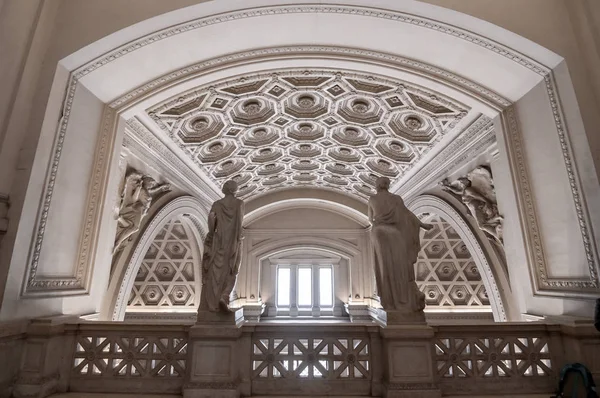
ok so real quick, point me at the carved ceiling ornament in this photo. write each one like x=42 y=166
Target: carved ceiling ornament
x=327 y=128
x=476 y=191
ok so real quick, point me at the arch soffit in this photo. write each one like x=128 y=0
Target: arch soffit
x=317 y=204
x=323 y=244
x=488 y=43
x=509 y=52
x=435 y=205
x=122 y=281
x=334 y=202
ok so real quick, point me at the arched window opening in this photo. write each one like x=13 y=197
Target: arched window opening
x=305 y=282
x=305 y=289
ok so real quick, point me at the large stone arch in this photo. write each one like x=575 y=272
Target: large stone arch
x=506 y=76
x=313 y=199
x=186 y=207
x=494 y=276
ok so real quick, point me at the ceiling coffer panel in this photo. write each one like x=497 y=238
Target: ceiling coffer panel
x=327 y=128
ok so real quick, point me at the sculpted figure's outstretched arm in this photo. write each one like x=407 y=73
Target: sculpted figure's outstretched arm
x=159 y=189
x=238 y=262
x=370 y=213
x=458 y=187
x=426 y=226
x=212 y=223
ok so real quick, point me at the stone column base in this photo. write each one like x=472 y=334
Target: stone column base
x=411 y=390
x=215 y=352
x=233 y=318
x=402 y=317
x=409 y=369
x=211 y=390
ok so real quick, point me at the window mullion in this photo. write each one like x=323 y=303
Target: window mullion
x=316 y=306
x=294 y=290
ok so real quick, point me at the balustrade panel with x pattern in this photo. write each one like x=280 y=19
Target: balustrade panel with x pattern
x=135 y=355
x=488 y=356
x=325 y=358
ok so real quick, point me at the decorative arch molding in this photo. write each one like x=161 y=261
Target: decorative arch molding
x=186 y=207
x=489 y=265
x=306 y=203
x=85 y=71
x=333 y=246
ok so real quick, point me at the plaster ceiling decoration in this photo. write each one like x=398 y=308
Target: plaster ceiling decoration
x=446 y=272
x=166 y=277
x=327 y=128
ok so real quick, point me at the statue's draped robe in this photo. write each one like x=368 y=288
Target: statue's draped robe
x=396 y=243
x=222 y=251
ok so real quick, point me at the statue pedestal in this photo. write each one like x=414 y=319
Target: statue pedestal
x=408 y=365
x=233 y=318
x=215 y=350
x=399 y=317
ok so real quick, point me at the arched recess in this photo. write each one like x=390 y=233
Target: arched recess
x=185 y=208
x=308 y=257
x=350 y=253
x=100 y=87
x=306 y=203
x=494 y=278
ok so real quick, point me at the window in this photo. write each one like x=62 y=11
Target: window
x=283 y=282
x=304 y=289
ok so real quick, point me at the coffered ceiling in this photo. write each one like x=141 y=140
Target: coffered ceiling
x=327 y=128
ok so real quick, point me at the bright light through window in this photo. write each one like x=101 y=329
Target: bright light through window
x=325 y=287
x=283 y=287
x=304 y=287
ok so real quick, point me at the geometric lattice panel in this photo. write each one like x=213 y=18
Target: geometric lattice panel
x=446 y=272
x=167 y=275
x=326 y=128
x=493 y=357
x=141 y=356
x=311 y=358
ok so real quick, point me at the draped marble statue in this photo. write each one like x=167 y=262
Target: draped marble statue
x=396 y=243
x=138 y=193
x=222 y=250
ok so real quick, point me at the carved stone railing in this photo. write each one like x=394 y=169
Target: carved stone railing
x=282 y=359
x=117 y=357
x=317 y=359
x=524 y=358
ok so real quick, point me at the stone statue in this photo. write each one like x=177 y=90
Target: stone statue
x=476 y=191
x=396 y=243
x=222 y=250
x=136 y=198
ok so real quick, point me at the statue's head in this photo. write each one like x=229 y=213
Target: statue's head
x=148 y=182
x=382 y=184
x=465 y=181
x=230 y=187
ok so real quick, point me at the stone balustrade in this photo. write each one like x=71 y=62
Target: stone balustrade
x=46 y=356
